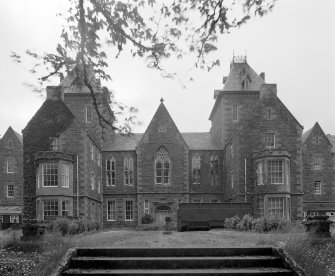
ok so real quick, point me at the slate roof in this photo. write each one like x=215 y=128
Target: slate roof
x=331 y=139
x=18 y=135
x=238 y=72
x=201 y=141
x=120 y=142
x=194 y=140
x=10 y=210
x=306 y=134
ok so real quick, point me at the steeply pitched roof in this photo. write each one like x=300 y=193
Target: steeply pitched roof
x=120 y=142
x=201 y=141
x=194 y=141
x=53 y=114
x=242 y=78
x=306 y=134
x=331 y=139
x=18 y=135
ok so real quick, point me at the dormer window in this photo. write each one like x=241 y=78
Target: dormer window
x=270 y=140
x=55 y=144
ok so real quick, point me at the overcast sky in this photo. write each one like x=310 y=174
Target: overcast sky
x=294 y=45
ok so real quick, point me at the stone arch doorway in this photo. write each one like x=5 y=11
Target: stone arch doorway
x=161 y=212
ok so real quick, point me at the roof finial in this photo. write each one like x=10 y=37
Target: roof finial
x=162 y=100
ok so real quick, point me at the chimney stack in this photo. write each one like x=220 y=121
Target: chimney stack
x=267 y=89
x=55 y=93
x=262 y=75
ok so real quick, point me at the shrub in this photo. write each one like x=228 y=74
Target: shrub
x=62 y=225
x=50 y=226
x=231 y=223
x=245 y=224
x=258 y=225
x=147 y=219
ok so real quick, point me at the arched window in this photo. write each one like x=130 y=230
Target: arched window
x=110 y=172
x=162 y=167
x=214 y=169
x=196 y=161
x=128 y=169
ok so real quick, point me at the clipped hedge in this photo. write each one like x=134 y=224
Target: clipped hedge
x=261 y=225
x=73 y=226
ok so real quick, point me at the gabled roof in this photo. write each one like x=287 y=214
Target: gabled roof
x=16 y=134
x=308 y=133
x=201 y=141
x=331 y=139
x=241 y=72
x=121 y=142
x=54 y=113
x=161 y=112
x=129 y=142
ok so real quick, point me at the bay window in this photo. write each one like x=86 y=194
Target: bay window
x=275 y=171
x=54 y=174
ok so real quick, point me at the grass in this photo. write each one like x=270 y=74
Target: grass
x=316 y=257
x=31 y=257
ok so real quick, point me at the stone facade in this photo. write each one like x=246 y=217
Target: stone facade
x=255 y=152
x=11 y=177
x=318 y=173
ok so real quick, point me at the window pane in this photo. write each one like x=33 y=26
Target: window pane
x=10 y=190
x=129 y=210
x=50 y=208
x=65 y=208
x=50 y=174
x=275 y=172
x=276 y=206
x=111 y=210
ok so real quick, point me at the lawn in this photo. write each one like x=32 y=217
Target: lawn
x=18 y=258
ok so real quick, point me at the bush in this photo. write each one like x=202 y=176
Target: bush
x=231 y=223
x=258 y=225
x=245 y=224
x=261 y=225
x=62 y=225
x=73 y=226
x=147 y=219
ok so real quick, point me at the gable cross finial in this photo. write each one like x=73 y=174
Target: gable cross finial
x=162 y=100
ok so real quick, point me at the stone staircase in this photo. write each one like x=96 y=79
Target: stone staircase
x=176 y=261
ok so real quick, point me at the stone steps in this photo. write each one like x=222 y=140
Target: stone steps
x=174 y=272
x=176 y=261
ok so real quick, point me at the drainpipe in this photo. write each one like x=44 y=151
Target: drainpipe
x=77 y=187
x=245 y=180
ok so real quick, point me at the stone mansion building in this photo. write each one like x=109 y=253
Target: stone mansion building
x=255 y=152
